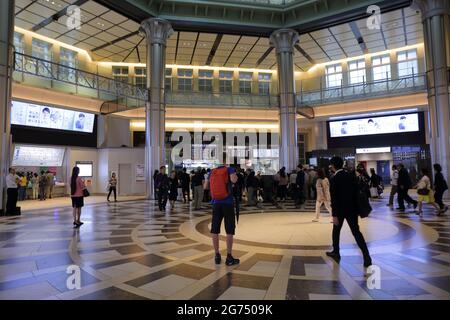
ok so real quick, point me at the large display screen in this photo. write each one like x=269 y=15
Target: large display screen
x=379 y=125
x=34 y=115
x=86 y=169
x=28 y=156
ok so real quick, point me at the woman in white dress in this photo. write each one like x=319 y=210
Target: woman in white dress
x=425 y=193
x=323 y=193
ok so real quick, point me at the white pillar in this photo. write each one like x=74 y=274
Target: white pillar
x=436 y=27
x=283 y=41
x=6 y=68
x=157 y=31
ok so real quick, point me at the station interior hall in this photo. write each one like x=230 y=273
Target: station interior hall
x=133 y=94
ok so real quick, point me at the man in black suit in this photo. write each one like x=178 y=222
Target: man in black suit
x=343 y=190
x=404 y=184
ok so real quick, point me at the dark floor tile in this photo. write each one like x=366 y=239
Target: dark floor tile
x=121 y=232
x=300 y=289
x=112 y=293
x=440 y=282
x=120 y=240
x=298 y=264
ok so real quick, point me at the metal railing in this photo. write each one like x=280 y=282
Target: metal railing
x=221 y=99
x=122 y=96
x=28 y=68
x=380 y=88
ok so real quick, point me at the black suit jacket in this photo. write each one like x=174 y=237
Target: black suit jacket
x=343 y=191
x=404 y=179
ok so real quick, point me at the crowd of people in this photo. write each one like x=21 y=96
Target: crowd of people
x=34 y=186
x=251 y=188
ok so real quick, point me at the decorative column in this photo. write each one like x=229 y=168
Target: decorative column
x=156 y=31
x=436 y=27
x=6 y=68
x=283 y=41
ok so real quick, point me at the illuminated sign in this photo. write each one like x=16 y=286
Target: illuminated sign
x=28 y=156
x=373 y=150
x=372 y=126
x=33 y=115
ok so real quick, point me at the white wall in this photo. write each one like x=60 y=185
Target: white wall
x=110 y=160
x=105 y=161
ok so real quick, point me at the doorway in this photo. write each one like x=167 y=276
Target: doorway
x=124 y=179
x=384 y=170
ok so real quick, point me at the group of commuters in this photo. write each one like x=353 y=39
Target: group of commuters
x=299 y=185
x=341 y=195
x=427 y=192
x=33 y=186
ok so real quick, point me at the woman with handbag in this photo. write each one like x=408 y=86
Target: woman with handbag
x=425 y=193
x=77 y=192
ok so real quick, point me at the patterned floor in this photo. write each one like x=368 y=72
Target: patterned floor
x=128 y=250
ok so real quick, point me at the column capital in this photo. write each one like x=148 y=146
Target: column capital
x=284 y=40
x=431 y=8
x=156 y=30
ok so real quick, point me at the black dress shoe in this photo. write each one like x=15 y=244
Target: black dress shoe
x=230 y=261
x=218 y=258
x=334 y=255
x=367 y=262
x=415 y=205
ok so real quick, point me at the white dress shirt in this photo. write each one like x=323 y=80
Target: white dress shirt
x=11 y=181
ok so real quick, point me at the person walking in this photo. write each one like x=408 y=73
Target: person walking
x=440 y=186
x=155 y=174
x=425 y=193
x=206 y=195
x=220 y=183
x=312 y=177
x=162 y=188
x=42 y=186
x=50 y=184
x=197 y=185
x=300 y=187
x=252 y=187
x=112 y=186
x=323 y=193
x=404 y=184
x=283 y=181
x=344 y=191
x=35 y=186
x=173 y=189
x=185 y=180
x=12 y=185
x=77 y=194
x=394 y=183
x=376 y=184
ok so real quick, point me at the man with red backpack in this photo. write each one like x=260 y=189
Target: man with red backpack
x=220 y=182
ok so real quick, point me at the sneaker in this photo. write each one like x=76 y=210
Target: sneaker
x=444 y=210
x=230 y=261
x=400 y=209
x=218 y=258
x=315 y=220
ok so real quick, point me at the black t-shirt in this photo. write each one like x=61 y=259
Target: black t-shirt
x=197 y=179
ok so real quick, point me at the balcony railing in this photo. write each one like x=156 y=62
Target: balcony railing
x=221 y=100
x=32 y=70
x=381 y=88
x=121 y=96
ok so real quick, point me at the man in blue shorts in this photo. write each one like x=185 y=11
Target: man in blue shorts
x=220 y=182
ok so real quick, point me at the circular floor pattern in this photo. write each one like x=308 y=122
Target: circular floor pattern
x=296 y=231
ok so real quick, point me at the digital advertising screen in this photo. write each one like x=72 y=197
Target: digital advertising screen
x=29 y=156
x=41 y=116
x=86 y=169
x=372 y=126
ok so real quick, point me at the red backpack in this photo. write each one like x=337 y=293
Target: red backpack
x=218 y=183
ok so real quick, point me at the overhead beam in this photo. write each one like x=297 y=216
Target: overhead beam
x=115 y=41
x=214 y=48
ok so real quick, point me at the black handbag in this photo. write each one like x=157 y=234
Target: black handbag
x=86 y=193
x=363 y=205
x=423 y=191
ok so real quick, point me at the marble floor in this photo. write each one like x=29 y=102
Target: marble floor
x=129 y=250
